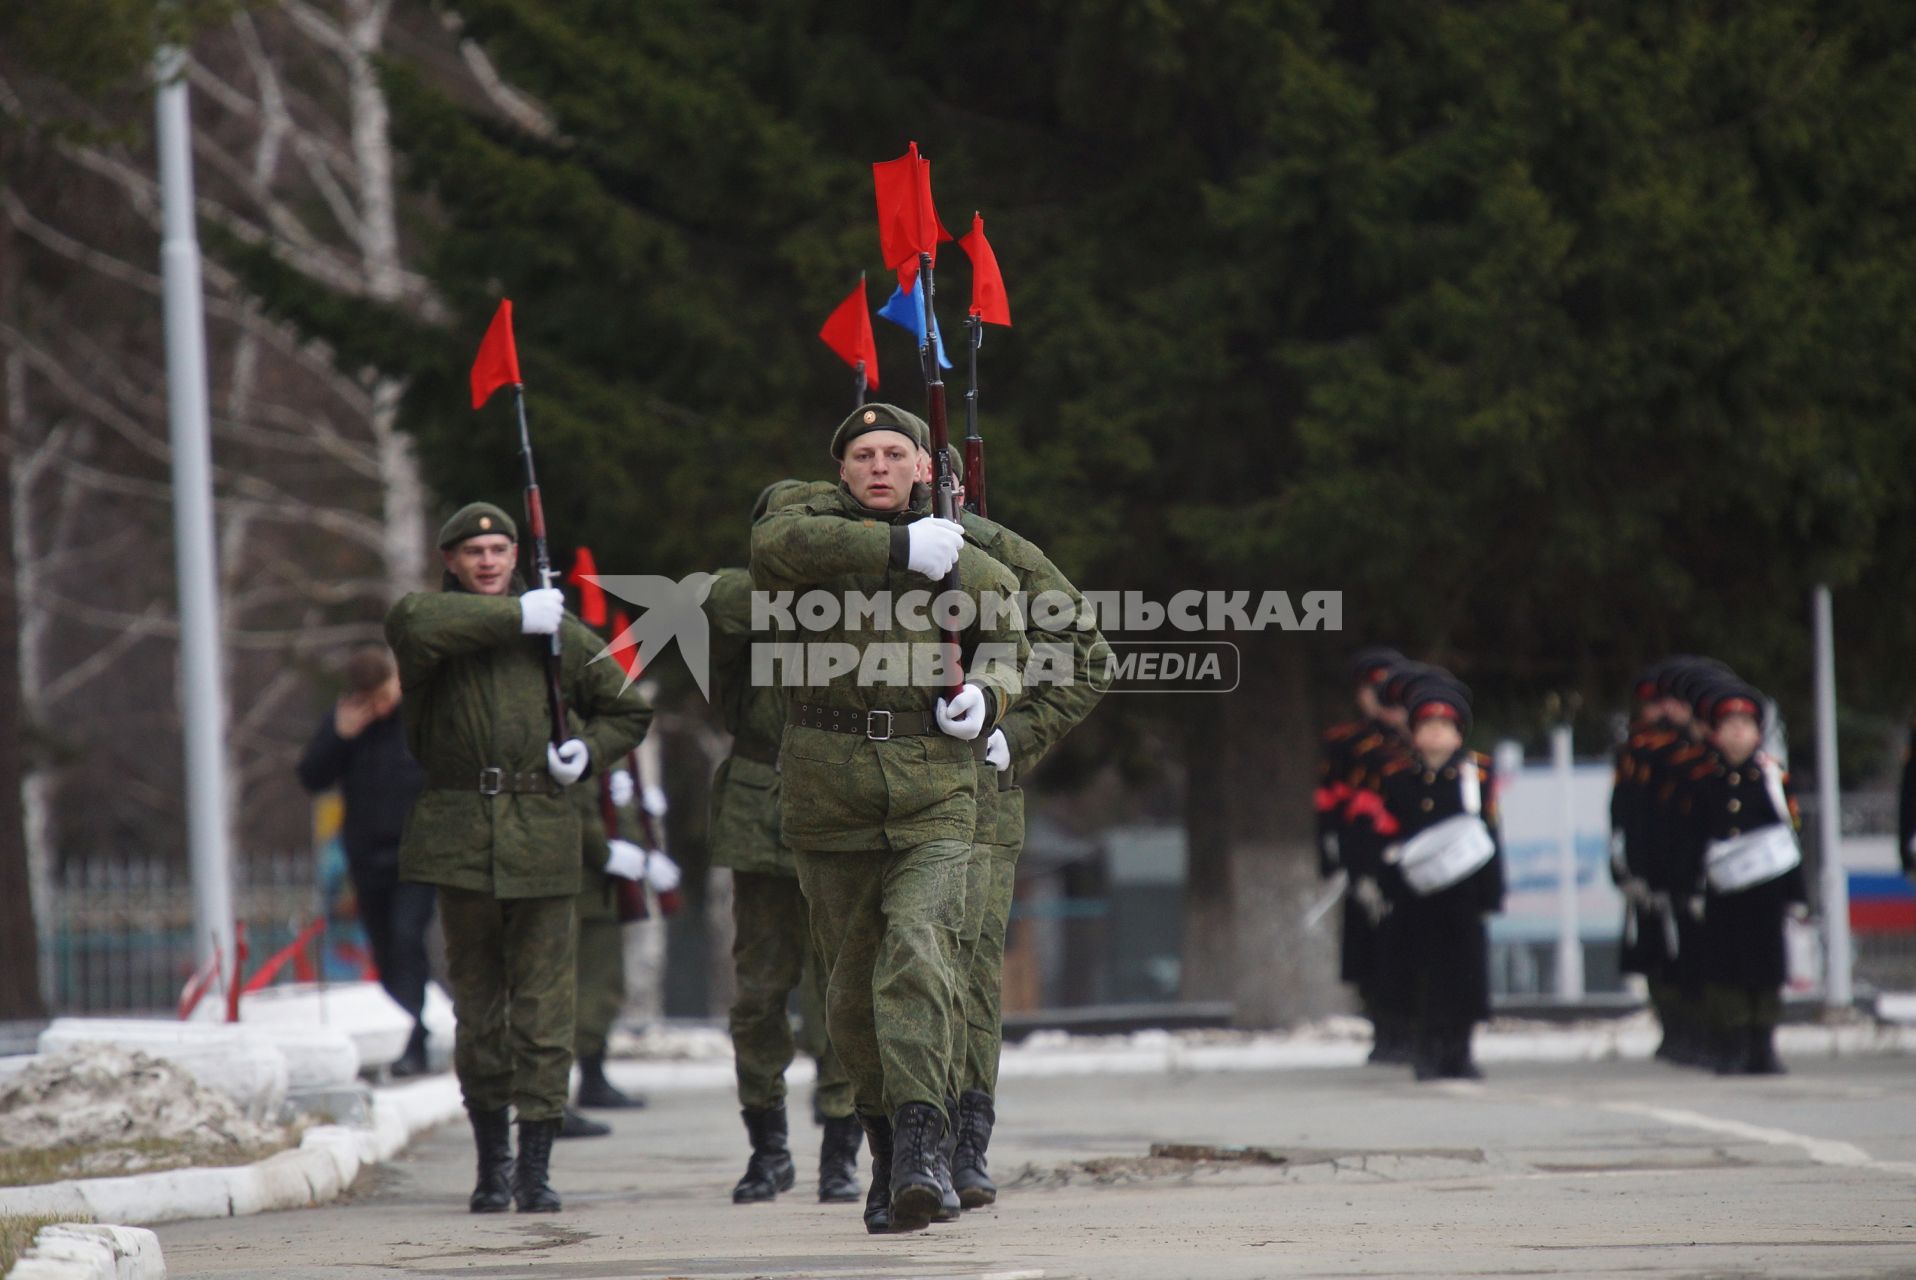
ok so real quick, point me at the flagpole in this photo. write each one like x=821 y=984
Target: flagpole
x=974 y=443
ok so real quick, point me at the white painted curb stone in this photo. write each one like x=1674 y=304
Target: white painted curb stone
x=83 y=1251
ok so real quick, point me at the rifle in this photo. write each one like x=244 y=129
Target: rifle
x=542 y=566
x=858 y=386
x=974 y=443
x=944 y=486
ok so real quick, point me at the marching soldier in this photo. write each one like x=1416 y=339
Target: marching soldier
x=1439 y=818
x=1749 y=875
x=1349 y=756
x=772 y=943
x=1048 y=710
x=495 y=831
x=879 y=780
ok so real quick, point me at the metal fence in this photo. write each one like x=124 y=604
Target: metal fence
x=120 y=935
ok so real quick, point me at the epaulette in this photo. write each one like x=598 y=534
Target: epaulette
x=1395 y=765
x=1703 y=770
x=1339 y=732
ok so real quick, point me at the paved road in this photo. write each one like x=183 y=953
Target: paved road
x=1577 y=1170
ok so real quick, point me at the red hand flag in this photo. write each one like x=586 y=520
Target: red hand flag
x=626 y=655
x=848 y=331
x=497 y=364
x=591 y=594
x=907 y=219
x=988 y=300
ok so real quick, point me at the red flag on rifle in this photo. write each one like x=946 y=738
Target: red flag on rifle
x=497 y=364
x=591 y=595
x=627 y=654
x=907 y=220
x=848 y=331
x=988 y=300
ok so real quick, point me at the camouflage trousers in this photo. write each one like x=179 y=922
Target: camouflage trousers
x=978 y=1034
x=510 y=962
x=601 y=984
x=886 y=924
x=772 y=957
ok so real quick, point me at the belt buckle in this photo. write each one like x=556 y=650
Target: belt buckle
x=871 y=732
x=491 y=780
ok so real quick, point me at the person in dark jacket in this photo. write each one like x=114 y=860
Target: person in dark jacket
x=1443 y=868
x=360 y=747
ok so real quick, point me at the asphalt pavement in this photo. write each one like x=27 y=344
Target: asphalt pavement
x=1545 y=1169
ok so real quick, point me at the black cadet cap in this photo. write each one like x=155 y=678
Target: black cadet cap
x=1373 y=663
x=1439 y=694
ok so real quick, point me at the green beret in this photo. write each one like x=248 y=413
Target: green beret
x=473 y=519
x=880 y=417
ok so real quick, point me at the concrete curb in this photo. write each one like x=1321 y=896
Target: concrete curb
x=1167 y=1053
x=83 y=1251
x=327 y=1160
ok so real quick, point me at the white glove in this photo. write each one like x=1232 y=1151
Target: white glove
x=661 y=873
x=540 y=610
x=1695 y=906
x=998 y=751
x=567 y=761
x=934 y=546
x=619 y=786
x=626 y=860
x=654 y=799
x=964 y=715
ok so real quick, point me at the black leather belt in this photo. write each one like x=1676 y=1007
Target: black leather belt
x=492 y=781
x=876 y=725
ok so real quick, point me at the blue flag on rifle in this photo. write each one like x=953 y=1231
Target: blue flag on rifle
x=907 y=311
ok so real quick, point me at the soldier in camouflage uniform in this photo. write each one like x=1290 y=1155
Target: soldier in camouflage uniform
x=880 y=779
x=1069 y=673
x=771 y=946
x=496 y=832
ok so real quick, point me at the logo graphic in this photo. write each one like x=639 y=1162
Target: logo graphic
x=673 y=611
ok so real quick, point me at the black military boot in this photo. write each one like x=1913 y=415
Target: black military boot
x=975 y=1119
x=597 y=1091
x=950 y=1208
x=878 y=1199
x=1457 y=1063
x=770 y=1169
x=413 y=1061
x=1729 y=1051
x=1426 y=1054
x=492 y=1135
x=916 y=1196
x=574 y=1125
x=530 y=1190
x=1762 y=1059
x=838 y=1161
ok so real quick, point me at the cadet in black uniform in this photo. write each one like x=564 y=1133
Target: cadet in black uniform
x=1440 y=822
x=1749 y=874
x=1638 y=861
x=1350 y=756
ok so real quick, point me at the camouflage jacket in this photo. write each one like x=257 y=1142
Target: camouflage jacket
x=1070 y=670
x=744 y=833
x=475 y=699
x=844 y=791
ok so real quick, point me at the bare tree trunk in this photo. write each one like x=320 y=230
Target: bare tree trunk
x=20 y=996
x=1284 y=971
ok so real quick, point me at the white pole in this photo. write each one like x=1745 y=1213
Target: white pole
x=202 y=706
x=1569 y=939
x=1837 y=993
